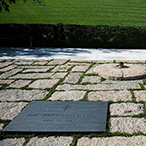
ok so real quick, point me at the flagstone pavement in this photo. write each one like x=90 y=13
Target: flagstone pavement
x=22 y=81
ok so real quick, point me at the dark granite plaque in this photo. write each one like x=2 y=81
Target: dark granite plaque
x=60 y=117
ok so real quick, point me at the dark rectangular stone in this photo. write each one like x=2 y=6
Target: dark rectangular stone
x=61 y=117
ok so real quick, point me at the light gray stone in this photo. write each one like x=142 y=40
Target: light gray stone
x=57 y=61
x=72 y=78
x=8 y=68
x=9 y=110
x=6 y=81
x=1 y=126
x=101 y=87
x=3 y=64
x=59 y=75
x=35 y=67
x=80 y=68
x=111 y=72
x=40 y=62
x=79 y=63
x=10 y=73
x=113 y=141
x=68 y=95
x=35 y=70
x=45 y=83
x=50 y=141
x=128 y=124
x=140 y=95
x=17 y=94
x=91 y=79
x=124 y=95
x=12 y=142
x=90 y=71
x=32 y=76
x=61 y=68
x=20 y=83
x=122 y=82
x=24 y=62
x=124 y=109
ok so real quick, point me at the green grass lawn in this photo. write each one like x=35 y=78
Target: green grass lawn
x=83 y=12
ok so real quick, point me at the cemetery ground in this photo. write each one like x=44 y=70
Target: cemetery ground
x=23 y=81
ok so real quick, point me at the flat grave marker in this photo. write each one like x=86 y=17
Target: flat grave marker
x=60 y=117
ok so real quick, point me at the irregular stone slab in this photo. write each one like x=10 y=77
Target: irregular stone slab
x=60 y=117
x=61 y=68
x=9 y=110
x=101 y=87
x=24 y=62
x=90 y=71
x=10 y=73
x=124 y=109
x=110 y=95
x=35 y=67
x=112 y=141
x=12 y=142
x=80 y=68
x=128 y=124
x=3 y=64
x=59 y=75
x=122 y=82
x=40 y=62
x=140 y=95
x=45 y=83
x=68 y=95
x=32 y=76
x=78 y=63
x=6 y=81
x=111 y=72
x=20 y=83
x=57 y=61
x=35 y=70
x=1 y=126
x=72 y=78
x=17 y=94
x=91 y=79
x=52 y=141
x=8 y=68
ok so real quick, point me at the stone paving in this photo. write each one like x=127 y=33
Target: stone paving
x=22 y=81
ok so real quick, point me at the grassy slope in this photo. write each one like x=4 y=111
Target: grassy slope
x=84 y=12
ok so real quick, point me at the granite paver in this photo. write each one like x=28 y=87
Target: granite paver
x=45 y=83
x=59 y=75
x=40 y=62
x=9 y=110
x=61 y=68
x=68 y=95
x=36 y=67
x=17 y=94
x=20 y=83
x=12 y=142
x=24 y=62
x=35 y=70
x=80 y=68
x=124 y=95
x=8 y=68
x=57 y=61
x=140 y=95
x=6 y=81
x=91 y=79
x=3 y=64
x=50 y=141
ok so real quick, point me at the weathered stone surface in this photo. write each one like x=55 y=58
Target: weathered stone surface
x=128 y=124
x=6 y=81
x=68 y=95
x=57 y=61
x=72 y=77
x=91 y=79
x=122 y=82
x=9 y=110
x=20 y=83
x=59 y=75
x=61 y=68
x=98 y=87
x=79 y=63
x=124 y=109
x=24 y=62
x=35 y=70
x=1 y=126
x=110 y=95
x=112 y=141
x=3 y=64
x=17 y=94
x=80 y=68
x=110 y=71
x=8 y=68
x=50 y=141
x=140 y=95
x=40 y=62
x=9 y=73
x=90 y=71
x=45 y=83
x=12 y=142
x=35 y=67
x=32 y=76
